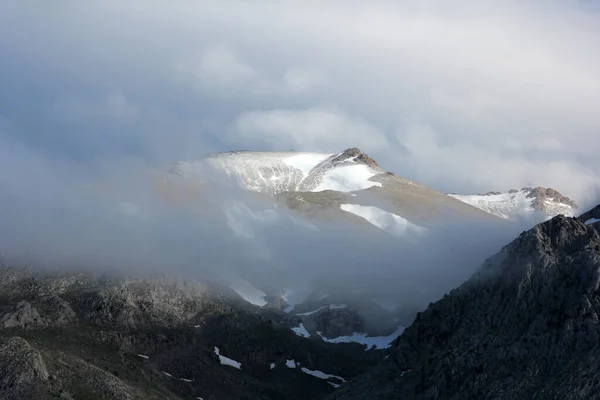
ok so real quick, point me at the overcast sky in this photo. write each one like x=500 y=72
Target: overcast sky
x=464 y=96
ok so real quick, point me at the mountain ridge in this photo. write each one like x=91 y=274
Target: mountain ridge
x=507 y=331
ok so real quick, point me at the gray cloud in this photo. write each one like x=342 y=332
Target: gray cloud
x=468 y=97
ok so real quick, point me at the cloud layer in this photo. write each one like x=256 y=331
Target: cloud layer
x=469 y=97
x=474 y=97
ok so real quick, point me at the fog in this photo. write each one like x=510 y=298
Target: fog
x=118 y=219
x=98 y=97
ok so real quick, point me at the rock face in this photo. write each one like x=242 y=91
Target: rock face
x=22 y=369
x=526 y=326
x=77 y=335
x=591 y=217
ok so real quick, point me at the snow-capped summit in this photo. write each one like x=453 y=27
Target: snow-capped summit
x=522 y=203
x=349 y=182
x=283 y=171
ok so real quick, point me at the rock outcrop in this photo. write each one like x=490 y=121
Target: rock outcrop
x=526 y=326
x=78 y=335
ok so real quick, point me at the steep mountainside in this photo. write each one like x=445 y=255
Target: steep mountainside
x=526 y=326
x=73 y=335
x=522 y=203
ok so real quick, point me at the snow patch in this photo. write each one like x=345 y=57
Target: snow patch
x=142 y=356
x=306 y=161
x=290 y=363
x=272 y=366
x=335 y=385
x=186 y=380
x=592 y=221
x=384 y=220
x=321 y=374
x=226 y=360
x=380 y=342
x=167 y=374
x=301 y=331
x=348 y=179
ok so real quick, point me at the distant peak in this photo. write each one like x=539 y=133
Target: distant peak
x=357 y=155
x=541 y=194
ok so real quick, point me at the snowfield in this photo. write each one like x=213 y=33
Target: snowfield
x=226 y=360
x=512 y=205
x=301 y=331
x=348 y=179
x=384 y=220
x=277 y=172
x=380 y=342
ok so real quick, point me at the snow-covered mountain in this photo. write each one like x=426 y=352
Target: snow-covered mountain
x=350 y=182
x=522 y=203
x=277 y=172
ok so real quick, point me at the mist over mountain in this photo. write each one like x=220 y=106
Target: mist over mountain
x=296 y=200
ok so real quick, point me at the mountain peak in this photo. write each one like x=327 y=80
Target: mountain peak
x=518 y=203
x=358 y=156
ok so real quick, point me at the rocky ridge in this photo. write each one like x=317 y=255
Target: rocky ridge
x=527 y=201
x=78 y=335
x=524 y=327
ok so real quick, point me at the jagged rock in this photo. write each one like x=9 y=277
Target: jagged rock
x=117 y=337
x=22 y=369
x=591 y=217
x=541 y=195
x=24 y=316
x=524 y=327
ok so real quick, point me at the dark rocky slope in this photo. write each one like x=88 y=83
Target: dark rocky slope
x=72 y=335
x=524 y=327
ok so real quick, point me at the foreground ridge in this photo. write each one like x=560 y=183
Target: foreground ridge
x=524 y=327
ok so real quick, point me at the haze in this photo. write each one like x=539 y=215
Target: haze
x=466 y=98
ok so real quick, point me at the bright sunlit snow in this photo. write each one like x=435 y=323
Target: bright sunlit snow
x=306 y=161
x=348 y=179
x=301 y=331
x=226 y=360
x=384 y=220
x=380 y=342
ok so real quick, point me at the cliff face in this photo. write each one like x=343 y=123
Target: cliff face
x=526 y=326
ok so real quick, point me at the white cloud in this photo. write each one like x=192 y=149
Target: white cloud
x=120 y=108
x=219 y=65
x=491 y=169
x=512 y=81
x=115 y=105
x=302 y=80
x=325 y=129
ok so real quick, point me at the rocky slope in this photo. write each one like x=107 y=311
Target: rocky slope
x=525 y=202
x=524 y=327
x=74 y=335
